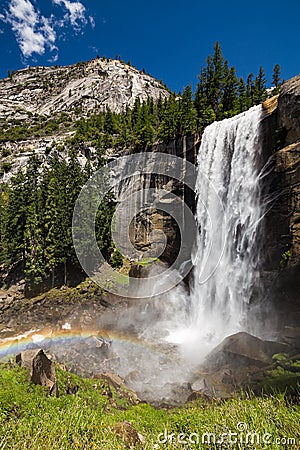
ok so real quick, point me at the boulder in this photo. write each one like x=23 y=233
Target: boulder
x=233 y=363
x=119 y=385
x=242 y=350
x=129 y=435
x=41 y=368
x=112 y=379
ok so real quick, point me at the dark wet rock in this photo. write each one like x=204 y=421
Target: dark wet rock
x=281 y=255
x=292 y=336
x=41 y=368
x=233 y=363
x=243 y=350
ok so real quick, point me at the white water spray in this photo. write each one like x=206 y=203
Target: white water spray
x=228 y=239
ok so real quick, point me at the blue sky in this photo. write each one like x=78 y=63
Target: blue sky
x=169 y=39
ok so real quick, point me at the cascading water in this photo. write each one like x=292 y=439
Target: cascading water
x=228 y=213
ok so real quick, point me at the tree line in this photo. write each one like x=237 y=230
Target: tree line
x=219 y=94
x=36 y=212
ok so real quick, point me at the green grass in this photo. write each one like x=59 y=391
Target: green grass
x=31 y=420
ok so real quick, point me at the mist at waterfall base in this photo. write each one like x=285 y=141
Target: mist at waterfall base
x=156 y=344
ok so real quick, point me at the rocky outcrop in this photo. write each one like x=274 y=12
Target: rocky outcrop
x=119 y=386
x=234 y=362
x=29 y=96
x=82 y=88
x=41 y=368
x=289 y=109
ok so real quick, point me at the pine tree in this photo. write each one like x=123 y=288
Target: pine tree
x=229 y=99
x=34 y=266
x=259 y=91
x=54 y=248
x=18 y=199
x=187 y=113
x=276 y=79
x=243 y=100
x=169 y=123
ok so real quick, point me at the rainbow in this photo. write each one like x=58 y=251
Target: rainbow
x=13 y=345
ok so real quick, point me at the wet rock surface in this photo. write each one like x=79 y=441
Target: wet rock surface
x=281 y=256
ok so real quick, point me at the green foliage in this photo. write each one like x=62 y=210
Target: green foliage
x=284 y=377
x=220 y=94
x=5 y=152
x=116 y=259
x=6 y=167
x=36 y=213
x=279 y=138
x=147 y=261
x=285 y=258
x=276 y=78
x=86 y=420
x=280 y=357
x=17 y=130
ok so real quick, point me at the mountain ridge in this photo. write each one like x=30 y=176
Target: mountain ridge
x=82 y=88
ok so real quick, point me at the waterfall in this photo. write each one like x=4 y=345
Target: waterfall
x=226 y=258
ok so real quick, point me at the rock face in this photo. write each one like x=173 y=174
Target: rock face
x=42 y=369
x=32 y=94
x=289 y=109
x=154 y=231
x=86 y=87
x=281 y=266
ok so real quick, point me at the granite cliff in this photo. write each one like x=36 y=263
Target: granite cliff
x=282 y=226
x=81 y=88
x=44 y=103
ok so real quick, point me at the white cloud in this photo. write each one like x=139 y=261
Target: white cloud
x=92 y=21
x=33 y=31
x=49 y=32
x=75 y=12
x=36 y=33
